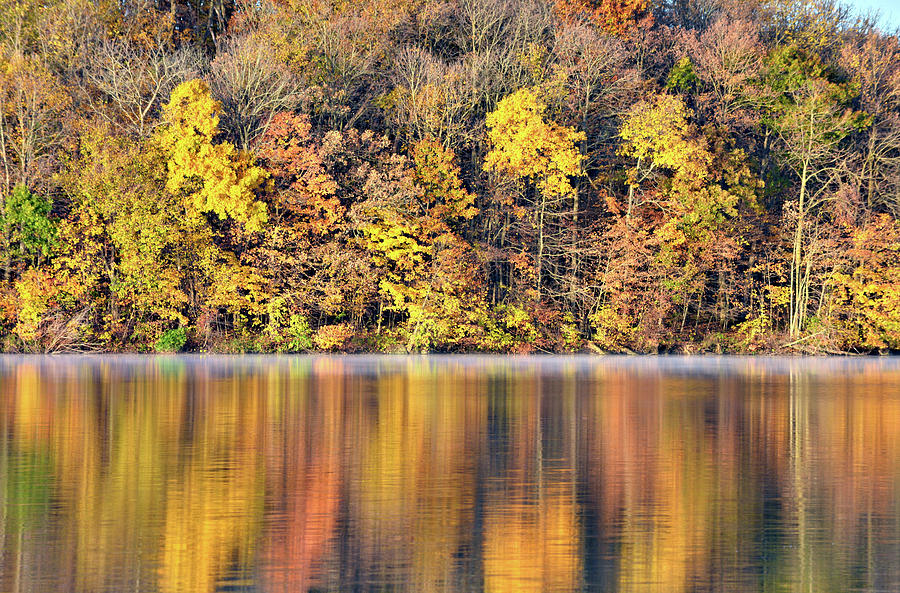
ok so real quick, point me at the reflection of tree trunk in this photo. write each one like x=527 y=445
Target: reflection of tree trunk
x=4 y=504
x=799 y=435
x=870 y=551
x=571 y=402
x=539 y=445
x=17 y=582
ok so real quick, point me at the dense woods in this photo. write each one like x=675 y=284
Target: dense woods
x=460 y=175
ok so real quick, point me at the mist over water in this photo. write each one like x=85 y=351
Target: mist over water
x=455 y=474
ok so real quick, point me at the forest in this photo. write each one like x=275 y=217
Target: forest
x=511 y=176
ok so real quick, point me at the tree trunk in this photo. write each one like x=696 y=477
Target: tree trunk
x=540 y=253
x=797 y=308
x=869 y=170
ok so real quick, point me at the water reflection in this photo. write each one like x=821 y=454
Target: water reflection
x=449 y=474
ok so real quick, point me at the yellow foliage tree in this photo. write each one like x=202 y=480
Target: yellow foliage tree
x=525 y=145
x=657 y=134
x=866 y=296
x=438 y=175
x=687 y=182
x=430 y=271
x=212 y=177
x=704 y=180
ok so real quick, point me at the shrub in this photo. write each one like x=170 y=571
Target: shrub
x=299 y=334
x=172 y=340
x=333 y=337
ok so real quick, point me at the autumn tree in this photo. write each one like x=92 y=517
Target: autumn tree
x=201 y=21
x=527 y=147
x=318 y=274
x=616 y=17
x=67 y=35
x=690 y=184
x=137 y=249
x=253 y=86
x=212 y=177
x=812 y=25
x=599 y=85
x=657 y=135
x=124 y=249
x=873 y=61
x=336 y=50
x=495 y=36
x=727 y=57
x=361 y=233
x=136 y=79
x=430 y=98
x=431 y=272
x=690 y=15
x=810 y=111
x=865 y=299
x=32 y=105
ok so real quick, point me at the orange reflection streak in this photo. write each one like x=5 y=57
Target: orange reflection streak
x=452 y=413
x=304 y=478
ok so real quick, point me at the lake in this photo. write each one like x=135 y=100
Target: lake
x=449 y=474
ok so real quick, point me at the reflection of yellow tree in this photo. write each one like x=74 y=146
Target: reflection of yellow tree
x=28 y=404
x=119 y=498
x=683 y=497
x=214 y=507
x=532 y=543
x=108 y=458
x=532 y=529
x=453 y=414
x=859 y=434
x=122 y=480
x=417 y=486
x=389 y=460
x=666 y=541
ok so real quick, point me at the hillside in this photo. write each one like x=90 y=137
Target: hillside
x=463 y=175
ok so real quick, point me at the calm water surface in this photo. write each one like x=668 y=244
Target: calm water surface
x=431 y=474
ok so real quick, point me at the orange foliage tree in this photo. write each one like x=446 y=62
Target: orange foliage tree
x=616 y=17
